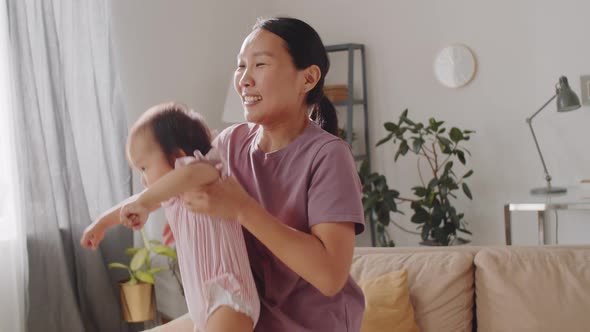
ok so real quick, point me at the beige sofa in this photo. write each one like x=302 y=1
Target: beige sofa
x=489 y=288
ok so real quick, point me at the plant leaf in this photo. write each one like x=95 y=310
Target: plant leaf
x=420 y=216
x=139 y=259
x=156 y=242
x=157 y=269
x=390 y=126
x=467 y=191
x=455 y=134
x=461 y=156
x=131 y=251
x=118 y=266
x=145 y=276
x=420 y=191
x=384 y=140
x=164 y=251
x=464 y=231
x=425 y=232
x=417 y=144
x=468 y=174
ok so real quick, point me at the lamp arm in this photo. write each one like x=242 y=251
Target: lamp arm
x=530 y=119
x=530 y=123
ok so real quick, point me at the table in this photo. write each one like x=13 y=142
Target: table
x=540 y=208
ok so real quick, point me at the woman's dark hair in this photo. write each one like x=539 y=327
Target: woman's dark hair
x=306 y=48
x=175 y=128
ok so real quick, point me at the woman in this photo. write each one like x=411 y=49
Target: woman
x=293 y=185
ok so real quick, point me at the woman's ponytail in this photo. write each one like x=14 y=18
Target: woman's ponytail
x=324 y=114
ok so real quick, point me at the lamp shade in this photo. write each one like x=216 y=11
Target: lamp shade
x=567 y=100
x=233 y=110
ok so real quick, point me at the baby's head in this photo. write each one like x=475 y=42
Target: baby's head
x=163 y=133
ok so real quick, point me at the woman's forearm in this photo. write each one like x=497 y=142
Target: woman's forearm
x=319 y=263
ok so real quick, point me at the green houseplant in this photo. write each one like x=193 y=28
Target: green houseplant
x=137 y=294
x=433 y=201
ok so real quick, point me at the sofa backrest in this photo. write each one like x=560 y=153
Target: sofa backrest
x=540 y=288
x=440 y=280
x=533 y=289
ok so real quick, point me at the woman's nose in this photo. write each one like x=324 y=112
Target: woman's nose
x=245 y=79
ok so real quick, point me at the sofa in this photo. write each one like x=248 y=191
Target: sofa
x=465 y=288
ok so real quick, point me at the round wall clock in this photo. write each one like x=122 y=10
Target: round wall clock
x=455 y=66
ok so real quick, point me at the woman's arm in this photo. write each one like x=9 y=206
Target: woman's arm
x=323 y=258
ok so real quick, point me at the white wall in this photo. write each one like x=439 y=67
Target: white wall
x=522 y=47
x=185 y=50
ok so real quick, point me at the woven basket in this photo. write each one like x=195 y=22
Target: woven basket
x=336 y=93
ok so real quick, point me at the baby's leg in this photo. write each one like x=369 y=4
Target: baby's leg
x=225 y=319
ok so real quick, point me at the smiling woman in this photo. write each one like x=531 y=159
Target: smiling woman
x=11 y=239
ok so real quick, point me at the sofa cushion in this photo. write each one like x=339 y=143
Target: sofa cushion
x=388 y=306
x=533 y=289
x=441 y=285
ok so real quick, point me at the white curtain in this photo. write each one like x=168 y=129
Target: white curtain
x=70 y=132
x=12 y=249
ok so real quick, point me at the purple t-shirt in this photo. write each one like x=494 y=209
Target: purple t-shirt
x=310 y=181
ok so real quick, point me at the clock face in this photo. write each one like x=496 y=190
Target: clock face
x=454 y=66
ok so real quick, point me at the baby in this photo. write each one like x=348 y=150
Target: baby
x=171 y=147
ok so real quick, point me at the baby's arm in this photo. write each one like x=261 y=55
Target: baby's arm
x=174 y=183
x=94 y=233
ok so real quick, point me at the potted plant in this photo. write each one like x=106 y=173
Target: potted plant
x=137 y=295
x=433 y=201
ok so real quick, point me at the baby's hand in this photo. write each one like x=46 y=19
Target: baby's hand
x=134 y=215
x=92 y=236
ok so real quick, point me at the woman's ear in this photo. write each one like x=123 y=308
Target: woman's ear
x=312 y=75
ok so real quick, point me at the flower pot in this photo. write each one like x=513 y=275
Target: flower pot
x=138 y=302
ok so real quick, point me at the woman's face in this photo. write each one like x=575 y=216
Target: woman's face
x=272 y=89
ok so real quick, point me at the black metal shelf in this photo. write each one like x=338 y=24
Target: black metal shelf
x=350 y=102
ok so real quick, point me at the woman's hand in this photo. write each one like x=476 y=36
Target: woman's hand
x=134 y=215
x=224 y=198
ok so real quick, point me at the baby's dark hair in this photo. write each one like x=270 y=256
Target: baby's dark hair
x=175 y=128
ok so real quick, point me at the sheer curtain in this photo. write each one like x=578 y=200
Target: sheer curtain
x=12 y=250
x=71 y=129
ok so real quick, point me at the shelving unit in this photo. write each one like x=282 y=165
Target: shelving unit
x=350 y=104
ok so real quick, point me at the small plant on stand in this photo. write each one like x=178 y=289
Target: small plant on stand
x=137 y=294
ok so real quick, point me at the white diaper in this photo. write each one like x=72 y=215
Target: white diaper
x=226 y=292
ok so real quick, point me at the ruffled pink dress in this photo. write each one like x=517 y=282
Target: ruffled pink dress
x=212 y=256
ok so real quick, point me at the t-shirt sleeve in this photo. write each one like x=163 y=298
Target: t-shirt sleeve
x=221 y=141
x=335 y=189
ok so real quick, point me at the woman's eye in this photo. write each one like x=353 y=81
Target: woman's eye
x=241 y=66
x=142 y=169
x=260 y=64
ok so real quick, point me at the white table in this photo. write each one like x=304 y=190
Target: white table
x=558 y=203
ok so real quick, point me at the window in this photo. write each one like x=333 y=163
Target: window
x=8 y=183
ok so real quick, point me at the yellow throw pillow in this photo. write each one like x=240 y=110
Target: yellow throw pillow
x=387 y=304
